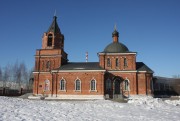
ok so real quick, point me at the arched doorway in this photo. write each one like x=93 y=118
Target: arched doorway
x=117 y=88
x=108 y=89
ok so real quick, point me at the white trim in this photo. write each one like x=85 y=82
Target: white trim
x=53 y=71
x=122 y=71
x=64 y=96
x=78 y=70
x=93 y=91
x=142 y=71
x=56 y=55
x=36 y=72
x=133 y=53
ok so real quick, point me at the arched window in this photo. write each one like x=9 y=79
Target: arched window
x=126 y=85
x=117 y=62
x=54 y=64
x=108 y=84
x=49 y=43
x=93 y=85
x=62 y=84
x=77 y=85
x=108 y=62
x=42 y=65
x=46 y=85
x=48 y=65
x=36 y=65
x=125 y=63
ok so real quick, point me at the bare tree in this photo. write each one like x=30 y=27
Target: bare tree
x=176 y=76
x=24 y=73
x=21 y=76
x=31 y=79
x=7 y=70
x=1 y=76
x=16 y=73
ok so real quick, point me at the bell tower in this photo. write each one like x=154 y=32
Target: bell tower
x=52 y=54
x=53 y=39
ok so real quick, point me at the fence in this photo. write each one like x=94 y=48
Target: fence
x=5 y=91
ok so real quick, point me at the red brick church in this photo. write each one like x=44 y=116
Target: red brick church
x=117 y=74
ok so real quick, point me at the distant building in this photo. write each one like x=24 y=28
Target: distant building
x=116 y=74
x=163 y=86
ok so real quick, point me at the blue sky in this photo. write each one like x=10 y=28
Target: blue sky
x=149 y=27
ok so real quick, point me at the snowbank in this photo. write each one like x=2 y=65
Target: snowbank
x=137 y=109
x=173 y=102
x=147 y=100
x=152 y=102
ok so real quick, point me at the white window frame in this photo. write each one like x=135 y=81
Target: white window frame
x=126 y=87
x=108 y=62
x=76 y=85
x=125 y=62
x=95 y=85
x=46 y=85
x=64 y=84
x=117 y=62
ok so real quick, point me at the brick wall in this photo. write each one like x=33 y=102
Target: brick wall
x=70 y=78
x=131 y=62
x=144 y=83
x=56 y=57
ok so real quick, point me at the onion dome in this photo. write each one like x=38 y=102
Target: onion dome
x=116 y=46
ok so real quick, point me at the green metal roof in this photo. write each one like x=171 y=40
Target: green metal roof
x=81 y=66
x=116 y=47
x=140 y=66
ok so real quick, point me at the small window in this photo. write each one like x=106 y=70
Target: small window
x=125 y=63
x=108 y=62
x=42 y=65
x=46 y=85
x=117 y=62
x=93 y=85
x=48 y=65
x=78 y=85
x=126 y=85
x=49 y=43
x=62 y=84
x=54 y=64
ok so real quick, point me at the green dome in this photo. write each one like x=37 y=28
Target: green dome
x=116 y=48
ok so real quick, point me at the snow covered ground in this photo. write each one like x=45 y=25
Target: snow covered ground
x=137 y=109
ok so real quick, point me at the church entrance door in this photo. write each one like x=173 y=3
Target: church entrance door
x=117 y=90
